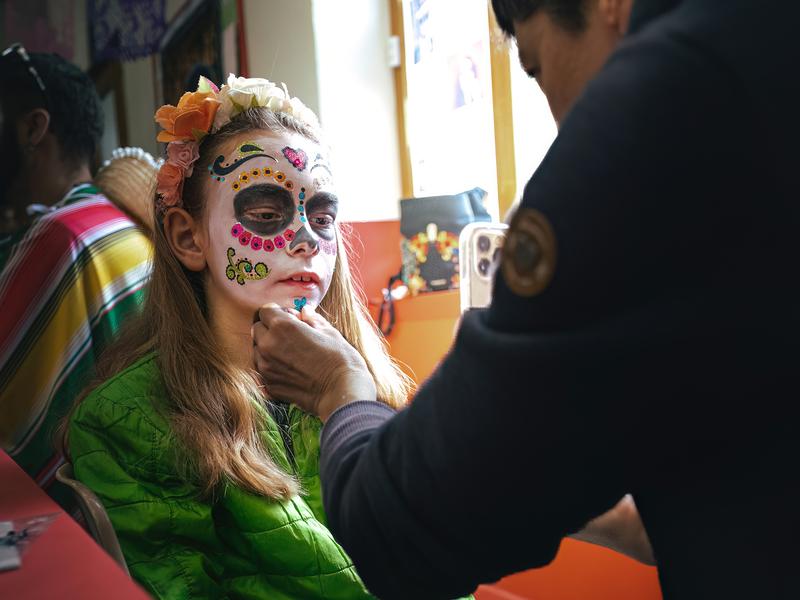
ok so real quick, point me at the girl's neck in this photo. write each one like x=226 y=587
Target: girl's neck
x=231 y=327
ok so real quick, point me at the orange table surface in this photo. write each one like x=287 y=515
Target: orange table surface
x=64 y=561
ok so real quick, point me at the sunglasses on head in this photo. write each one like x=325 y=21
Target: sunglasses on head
x=17 y=52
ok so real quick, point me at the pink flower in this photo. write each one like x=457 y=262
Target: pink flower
x=169 y=185
x=289 y=235
x=237 y=230
x=269 y=246
x=183 y=155
x=256 y=243
x=279 y=242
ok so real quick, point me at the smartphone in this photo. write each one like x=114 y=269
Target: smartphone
x=479 y=248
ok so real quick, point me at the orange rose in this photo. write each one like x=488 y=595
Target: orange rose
x=190 y=120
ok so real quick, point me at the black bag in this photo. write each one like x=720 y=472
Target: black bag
x=430 y=228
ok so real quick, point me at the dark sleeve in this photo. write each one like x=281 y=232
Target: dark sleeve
x=549 y=409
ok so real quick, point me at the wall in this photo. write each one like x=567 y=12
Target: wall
x=357 y=105
x=534 y=127
x=81 y=48
x=140 y=103
x=281 y=45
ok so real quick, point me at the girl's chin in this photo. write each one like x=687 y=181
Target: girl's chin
x=296 y=302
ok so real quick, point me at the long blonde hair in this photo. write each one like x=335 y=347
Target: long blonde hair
x=210 y=402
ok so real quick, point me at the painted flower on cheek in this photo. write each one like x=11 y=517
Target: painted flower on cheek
x=289 y=235
x=170 y=184
x=269 y=246
x=237 y=230
x=279 y=242
x=256 y=243
x=244 y=239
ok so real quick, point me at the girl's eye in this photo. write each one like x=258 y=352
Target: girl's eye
x=322 y=220
x=263 y=215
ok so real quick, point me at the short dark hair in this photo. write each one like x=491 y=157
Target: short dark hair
x=569 y=14
x=76 y=115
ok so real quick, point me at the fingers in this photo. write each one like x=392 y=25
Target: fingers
x=270 y=313
x=313 y=318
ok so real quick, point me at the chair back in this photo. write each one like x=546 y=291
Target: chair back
x=95 y=515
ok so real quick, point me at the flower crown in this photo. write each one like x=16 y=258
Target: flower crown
x=205 y=112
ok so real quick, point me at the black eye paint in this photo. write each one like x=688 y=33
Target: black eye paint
x=327 y=203
x=268 y=198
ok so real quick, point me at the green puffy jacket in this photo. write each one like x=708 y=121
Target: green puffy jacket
x=178 y=545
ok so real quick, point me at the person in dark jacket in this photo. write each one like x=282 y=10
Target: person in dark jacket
x=642 y=338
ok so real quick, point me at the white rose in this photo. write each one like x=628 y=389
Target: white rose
x=225 y=110
x=255 y=91
x=241 y=93
x=301 y=112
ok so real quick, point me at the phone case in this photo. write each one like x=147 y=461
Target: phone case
x=480 y=245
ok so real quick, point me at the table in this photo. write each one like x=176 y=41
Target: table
x=64 y=561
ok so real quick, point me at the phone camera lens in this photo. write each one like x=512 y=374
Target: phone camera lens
x=484 y=243
x=483 y=266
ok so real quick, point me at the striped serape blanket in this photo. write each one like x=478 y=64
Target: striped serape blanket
x=67 y=285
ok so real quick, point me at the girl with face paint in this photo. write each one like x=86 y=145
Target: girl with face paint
x=212 y=488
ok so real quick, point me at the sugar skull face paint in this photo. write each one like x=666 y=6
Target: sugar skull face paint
x=323 y=175
x=297 y=157
x=276 y=215
x=243 y=269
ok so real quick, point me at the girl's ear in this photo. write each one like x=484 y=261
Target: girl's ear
x=185 y=238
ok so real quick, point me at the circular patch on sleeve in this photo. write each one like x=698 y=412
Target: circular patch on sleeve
x=529 y=253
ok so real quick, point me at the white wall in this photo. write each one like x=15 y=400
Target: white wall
x=534 y=126
x=358 y=105
x=281 y=45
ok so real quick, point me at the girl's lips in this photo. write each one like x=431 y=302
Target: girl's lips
x=303 y=285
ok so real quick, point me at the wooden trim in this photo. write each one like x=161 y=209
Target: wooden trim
x=401 y=97
x=503 y=117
